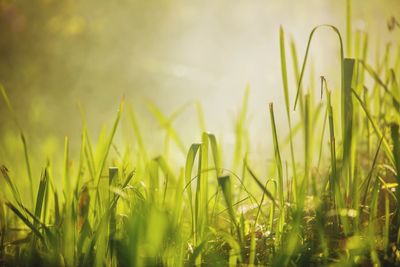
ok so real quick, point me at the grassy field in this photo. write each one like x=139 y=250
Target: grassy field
x=332 y=201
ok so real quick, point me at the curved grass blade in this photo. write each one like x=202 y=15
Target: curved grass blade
x=336 y=30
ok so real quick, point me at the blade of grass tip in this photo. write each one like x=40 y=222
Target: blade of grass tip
x=57 y=214
x=46 y=201
x=307 y=52
x=278 y=163
x=28 y=165
x=287 y=105
x=215 y=152
x=296 y=72
x=194 y=148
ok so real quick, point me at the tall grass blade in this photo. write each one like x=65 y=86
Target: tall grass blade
x=278 y=162
x=287 y=105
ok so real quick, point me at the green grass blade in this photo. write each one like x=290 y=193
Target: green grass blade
x=109 y=140
x=40 y=197
x=308 y=50
x=26 y=221
x=194 y=148
x=278 y=162
x=347 y=120
x=261 y=186
x=9 y=181
x=287 y=105
x=28 y=165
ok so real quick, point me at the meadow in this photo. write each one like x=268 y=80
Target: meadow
x=329 y=199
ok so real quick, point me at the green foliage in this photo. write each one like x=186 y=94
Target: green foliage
x=165 y=210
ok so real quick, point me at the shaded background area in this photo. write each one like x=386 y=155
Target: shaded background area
x=57 y=54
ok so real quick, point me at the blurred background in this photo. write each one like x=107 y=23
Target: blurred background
x=58 y=54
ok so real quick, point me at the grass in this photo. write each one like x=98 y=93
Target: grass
x=331 y=202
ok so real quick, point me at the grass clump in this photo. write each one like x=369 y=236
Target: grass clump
x=339 y=208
